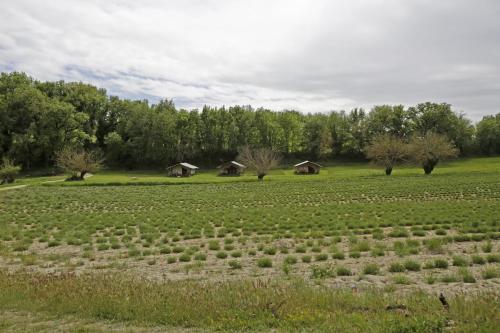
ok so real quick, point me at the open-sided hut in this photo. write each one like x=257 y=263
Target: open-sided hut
x=307 y=167
x=231 y=168
x=182 y=169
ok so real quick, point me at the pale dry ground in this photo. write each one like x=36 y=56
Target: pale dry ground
x=26 y=322
x=66 y=258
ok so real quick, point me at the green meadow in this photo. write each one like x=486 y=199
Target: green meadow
x=349 y=249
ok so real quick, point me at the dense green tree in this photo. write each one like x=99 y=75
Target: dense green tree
x=37 y=119
x=488 y=134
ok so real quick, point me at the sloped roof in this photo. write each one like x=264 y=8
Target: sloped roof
x=184 y=164
x=306 y=162
x=233 y=163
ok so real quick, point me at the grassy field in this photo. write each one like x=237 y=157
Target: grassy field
x=396 y=240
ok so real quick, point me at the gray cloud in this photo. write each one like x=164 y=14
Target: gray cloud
x=308 y=55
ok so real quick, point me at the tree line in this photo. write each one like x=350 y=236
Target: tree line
x=39 y=119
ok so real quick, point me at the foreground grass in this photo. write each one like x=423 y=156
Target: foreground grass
x=283 y=305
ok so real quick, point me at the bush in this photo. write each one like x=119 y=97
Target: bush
x=371 y=269
x=264 y=263
x=419 y=233
x=441 y=232
x=290 y=260
x=343 y=271
x=171 y=259
x=306 y=259
x=487 y=247
x=397 y=267
x=434 y=245
x=467 y=276
x=399 y=232
x=493 y=258
x=491 y=273
x=270 y=251
x=8 y=171
x=235 y=264
x=441 y=263
x=478 y=260
x=338 y=255
x=185 y=257
x=460 y=261
x=301 y=249
x=221 y=255
x=355 y=255
x=178 y=249
x=321 y=272
x=321 y=257
x=214 y=245
x=236 y=254
x=449 y=278
x=200 y=256
x=401 y=279
x=412 y=265
x=165 y=250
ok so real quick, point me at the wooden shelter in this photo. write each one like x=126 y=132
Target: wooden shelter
x=307 y=168
x=231 y=168
x=182 y=169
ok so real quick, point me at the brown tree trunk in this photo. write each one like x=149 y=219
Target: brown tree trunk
x=388 y=171
x=261 y=177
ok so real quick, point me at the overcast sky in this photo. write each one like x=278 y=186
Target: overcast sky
x=309 y=55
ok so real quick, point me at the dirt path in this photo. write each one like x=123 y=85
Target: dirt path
x=12 y=187
x=26 y=185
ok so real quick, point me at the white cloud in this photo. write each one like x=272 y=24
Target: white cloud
x=308 y=55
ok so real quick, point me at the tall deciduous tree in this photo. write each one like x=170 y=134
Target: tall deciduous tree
x=428 y=149
x=78 y=162
x=386 y=150
x=261 y=160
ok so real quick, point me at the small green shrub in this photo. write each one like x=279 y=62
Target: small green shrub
x=355 y=255
x=306 y=259
x=343 y=271
x=460 y=261
x=234 y=264
x=338 y=256
x=371 y=269
x=221 y=255
x=178 y=249
x=396 y=267
x=236 y=254
x=264 y=263
x=401 y=279
x=412 y=265
x=165 y=250
x=487 y=247
x=478 y=260
x=290 y=260
x=449 y=278
x=214 y=245
x=441 y=263
x=321 y=257
x=466 y=275
x=301 y=249
x=321 y=272
x=200 y=256
x=492 y=258
x=270 y=251
x=491 y=273
x=184 y=257
x=171 y=259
